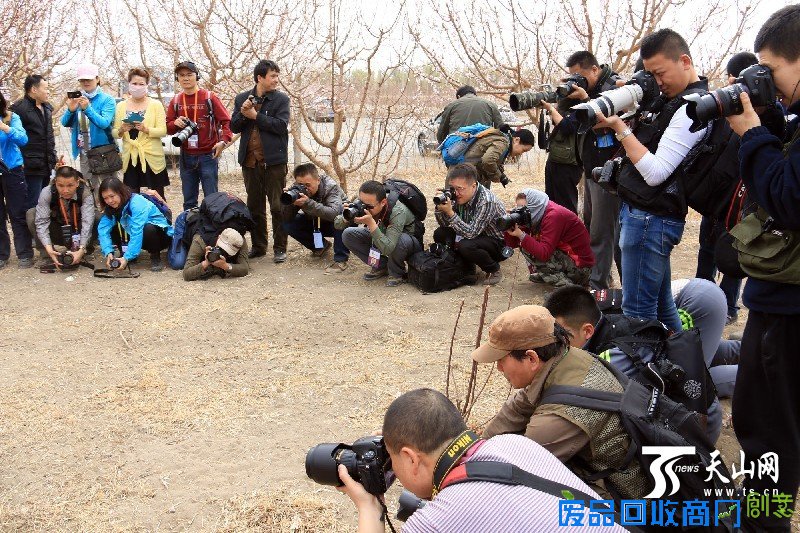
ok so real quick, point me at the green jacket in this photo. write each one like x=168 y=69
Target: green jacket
x=193 y=269
x=466 y=111
x=385 y=237
x=488 y=154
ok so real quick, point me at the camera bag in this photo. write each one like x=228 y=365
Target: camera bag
x=436 y=272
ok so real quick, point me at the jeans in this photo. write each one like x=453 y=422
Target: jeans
x=36 y=182
x=13 y=197
x=646 y=241
x=359 y=241
x=197 y=169
x=604 y=234
x=710 y=231
x=266 y=183
x=483 y=251
x=301 y=229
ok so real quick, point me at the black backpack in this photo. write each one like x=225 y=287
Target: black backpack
x=436 y=271
x=412 y=198
x=218 y=211
x=652 y=419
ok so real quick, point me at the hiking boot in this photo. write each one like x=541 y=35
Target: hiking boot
x=394 y=282
x=322 y=251
x=279 y=257
x=155 y=262
x=336 y=267
x=254 y=254
x=493 y=278
x=375 y=273
x=25 y=263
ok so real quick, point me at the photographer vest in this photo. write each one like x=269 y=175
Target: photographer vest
x=589 y=154
x=666 y=199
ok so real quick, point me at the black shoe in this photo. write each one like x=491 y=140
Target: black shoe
x=279 y=257
x=155 y=262
x=256 y=253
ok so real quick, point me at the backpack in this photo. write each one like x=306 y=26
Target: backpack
x=652 y=419
x=678 y=367
x=218 y=211
x=178 y=249
x=436 y=271
x=455 y=145
x=164 y=208
x=410 y=195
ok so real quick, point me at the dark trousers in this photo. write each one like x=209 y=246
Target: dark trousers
x=483 y=251
x=710 y=231
x=561 y=184
x=36 y=182
x=154 y=239
x=766 y=406
x=266 y=183
x=302 y=227
x=13 y=198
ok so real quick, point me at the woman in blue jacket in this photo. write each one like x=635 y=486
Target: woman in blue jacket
x=131 y=222
x=13 y=189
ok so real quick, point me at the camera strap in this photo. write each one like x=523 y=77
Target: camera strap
x=451 y=457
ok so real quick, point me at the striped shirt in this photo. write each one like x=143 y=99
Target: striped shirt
x=477 y=217
x=480 y=506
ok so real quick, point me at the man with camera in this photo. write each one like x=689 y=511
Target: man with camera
x=320 y=199
x=201 y=126
x=431 y=451
x=226 y=259
x=467 y=214
x=766 y=406
x=90 y=115
x=387 y=238
x=465 y=110
x=64 y=215
x=261 y=115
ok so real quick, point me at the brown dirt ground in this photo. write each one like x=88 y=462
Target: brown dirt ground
x=158 y=405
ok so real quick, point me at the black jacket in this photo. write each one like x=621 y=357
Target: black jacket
x=40 y=152
x=273 y=126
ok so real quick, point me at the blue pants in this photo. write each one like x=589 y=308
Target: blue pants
x=13 y=202
x=36 y=182
x=301 y=229
x=195 y=170
x=646 y=241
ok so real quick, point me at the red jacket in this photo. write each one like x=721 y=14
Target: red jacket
x=207 y=137
x=560 y=229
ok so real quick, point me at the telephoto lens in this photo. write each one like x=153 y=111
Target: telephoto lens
x=181 y=137
x=641 y=90
x=531 y=99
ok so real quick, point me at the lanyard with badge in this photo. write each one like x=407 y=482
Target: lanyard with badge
x=68 y=230
x=193 y=140
x=318 y=242
x=374 y=257
x=124 y=238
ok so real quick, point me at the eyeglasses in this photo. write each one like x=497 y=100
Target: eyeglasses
x=462 y=189
x=368 y=206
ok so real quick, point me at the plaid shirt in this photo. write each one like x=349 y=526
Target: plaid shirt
x=477 y=217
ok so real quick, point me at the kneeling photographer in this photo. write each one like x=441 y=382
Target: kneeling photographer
x=552 y=239
x=320 y=198
x=226 y=259
x=428 y=447
x=467 y=214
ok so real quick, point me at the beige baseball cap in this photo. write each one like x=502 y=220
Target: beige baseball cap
x=231 y=241
x=522 y=328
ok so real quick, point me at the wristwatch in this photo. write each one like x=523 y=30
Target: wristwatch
x=626 y=132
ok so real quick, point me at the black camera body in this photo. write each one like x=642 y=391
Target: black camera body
x=257 y=100
x=606 y=176
x=518 y=216
x=570 y=83
x=444 y=196
x=367 y=461
x=354 y=210
x=755 y=80
x=214 y=254
x=190 y=129
x=74 y=94
x=292 y=194
x=66 y=258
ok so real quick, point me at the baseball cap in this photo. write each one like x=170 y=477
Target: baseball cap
x=186 y=65
x=230 y=241
x=87 y=71
x=522 y=328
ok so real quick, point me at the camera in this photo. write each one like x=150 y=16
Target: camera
x=408 y=504
x=292 y=194
x=189 y=130
x=755 y=80
x=531 y=99
x=214 y=254
x=518 y=216
x=354 y=210
x=670 y=372
x=606 y=176
x=367 y=462
x=115 y=263
x=257 y=100
x=642 y=90
x=504 y=180
x=65 y=258
x=444 y=196
x=570 y=83
x=73 y=94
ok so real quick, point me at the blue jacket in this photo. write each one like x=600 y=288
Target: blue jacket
x=100 y=115
x=11 y=141
x=136 y=213
x=774 y=182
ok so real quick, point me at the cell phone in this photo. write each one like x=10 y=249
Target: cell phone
x=73 y=94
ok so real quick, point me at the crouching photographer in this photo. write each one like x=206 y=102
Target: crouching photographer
x=552 y=239
x=310 y=206
x=427 y=446
x=226 y=259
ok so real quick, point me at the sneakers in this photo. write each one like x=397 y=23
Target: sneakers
x=394 y=282
x=279 y=257
x=25 y=263
x=155 y=262
x=336 y=267
x=536 y=278
x=493 y=278
x=254 y=254
x=322 y=251
x=375 y=273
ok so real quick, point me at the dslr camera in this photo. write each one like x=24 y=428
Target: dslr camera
x=190 y=129
x=518 y=216
x=292 y=194
x=354 y=210
x=65 y=258
x=606 y=176
x=367 y=462
x=257 y=100
x=531 y=99
x=214 y=254
x=755 y=80
x=641 y=90
x=444 y=196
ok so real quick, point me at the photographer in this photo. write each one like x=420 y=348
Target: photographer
x=465 y=110
x=468 y=222
x=766 y=405
x=489 y=153
x=653 y=211
x=554 y=241
x=321 y=201
x=261 y=115
x=418 y=430
x=200 y=150
x=386 y=239
x=67 y=202
x=226 y=259
x=562 y=170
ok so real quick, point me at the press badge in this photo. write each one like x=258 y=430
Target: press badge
x=458 y=238
x=374 y=259
x=80 y=140
x=193 y=141
x=318 y=244
x=605 y=141
x=76 y=241
x=124 y=249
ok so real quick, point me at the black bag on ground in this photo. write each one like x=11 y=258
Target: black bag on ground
x=435 y=272
x=410 y=195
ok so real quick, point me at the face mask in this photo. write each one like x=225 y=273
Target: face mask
x=137 y=91
x=91 y=94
